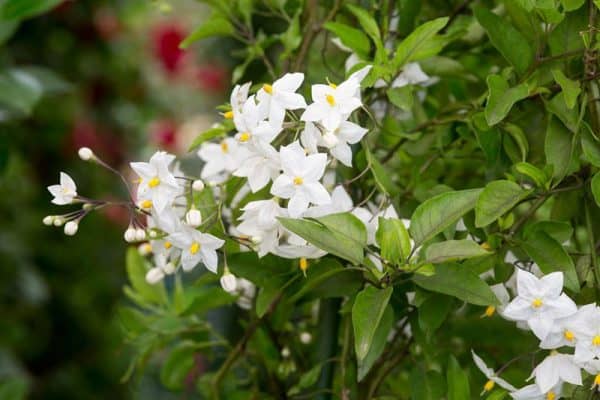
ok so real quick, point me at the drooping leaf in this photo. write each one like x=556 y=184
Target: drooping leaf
x=458 y=381
x=501 y=98
x=452 y=250
x=497 y=198
x=439 y=212
x=378 y=344
x=216 y=25
x=350 y=37
x=367 y=312
x=410 y=46
x=366 y=21
x=136 y=272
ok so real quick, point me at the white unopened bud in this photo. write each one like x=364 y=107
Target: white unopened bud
x=198 y=185
x=58 y=221
x=144 y=249
x=193 y=218
x=140 y=234
x=305 y=338
x=168 y=268
x=129 y=235
x=71 y=228
x=85 y=153
x=155 y=275
x=228 y=282
x=152 y=233
x=48 y=220
x=285 y=352
x=330 y=140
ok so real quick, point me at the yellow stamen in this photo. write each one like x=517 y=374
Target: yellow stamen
x=536 y=303
x=228 y=115
x=330 y=99
x=332 y=85
x=298 y=181
x=244 y=137
x=597 y=380
x=596 y=340
x=147 y=247
x=146 y=204
x=268 y=88
x=489 y=385
x=168 y=245
x=489 y=311
x=303 y=264
x=486 y=246
x=224 y=147
x=194 y=248
x=550 y=395
x=569 y=336
x=154 y=182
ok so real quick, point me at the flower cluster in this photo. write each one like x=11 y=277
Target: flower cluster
x=541 y=306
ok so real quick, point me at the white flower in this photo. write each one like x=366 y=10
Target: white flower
x=195 y=247
x=587 y=330
x=533 y=392
x=238 y=97
x=336 y=138
x=157 y=185
x=251 y=127
x=411 y=74
x=340 y=202
x=154 y=275
x=556 y=368
x=280 y=96
x=260 y=167
x=225 y=156
x=489 y=373
x=566 y=331
x=539 y=302
x=299 y=181
x=259 y=221
x=333 y=103
x=65 y=192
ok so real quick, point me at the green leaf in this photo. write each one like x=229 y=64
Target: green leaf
x=291 y=38
x=136 y=272
x=307 y=379
x=7 y=28
x=22 y=9
x=439 y=212
x=381 y=176
x=413 y=43
x=501 y=98
x=596 y=188
x=558 y=106
x=571 y=89
x=453 y=250
x=19 y=90
x=177 y=366
x=199 y=300
x=366 y=21
x=433 y=311
x=401 y=97
x=213 y=26
x=207 y=135
x=393 y=239
x=537 y=175
x=570 y=5
x=497 y=198
x=513 y=46
x=367 y=313
x=266 y=271
x=517 y=134
x=590 y=145
x=378 y=344
x=551 y=257
x=458 y=381
x=351 y=37
x=342 y=234
x=456 y=281
x=558 y=148
x=559 y=230
x=14 y=388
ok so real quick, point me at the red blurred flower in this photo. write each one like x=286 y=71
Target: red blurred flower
x=165 y=43
x=164 y=134
x=212 y=78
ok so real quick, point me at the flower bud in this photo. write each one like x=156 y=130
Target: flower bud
x=168 y=268
x=71 y=228
x=198 y=185
x=305 y=338
x=58 y=221
x=285 y=352
x=140 y=234
x=193 y=218
x=129 y=235
x=228 y=282
x=154 y=276
x=144 y=249
x=85 y=153
x=48 y=220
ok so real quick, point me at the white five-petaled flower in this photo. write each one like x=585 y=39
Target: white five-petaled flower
x=333 y=103
x=221 y=157
x=260 y=166
x=336 y=138
x=157 y=185
x=280 y=96
x=251 y=127
x=556 y=368
x=587 y=330
x=411 y=74
x=259 y=222
x=489 y=373
x=539 y=302
x=299 y=181
x=65 y=192
x=195 y=247
x=340 y=202
x=566 y=331
x=533 y=392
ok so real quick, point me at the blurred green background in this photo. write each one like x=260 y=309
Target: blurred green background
x=107 y=75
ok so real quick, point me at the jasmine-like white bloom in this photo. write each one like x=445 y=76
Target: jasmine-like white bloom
x=65 y=192
x=593 y=368
x=260 y=167
x=259 y=222
x=556 y=368
x=238 y=97
x=587 y=330
x=489 y=373
x=333 y=103
x=157 y=185
x=251 y=127
x=299 y=181
x=280 y=96
x=340 y=202
x=225 y=156
x=337 y=139
x=539 y=302
x=533 y=392
x=566 y=331
x=195 y=247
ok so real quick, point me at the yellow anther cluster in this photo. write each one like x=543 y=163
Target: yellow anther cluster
x=298 y=181
x=244 y=137
x=330 y=99
x=489 y=311
x=224 y=147
x=154 y=182
x=536 y=303
x=268 y=88
x=228 y=115
x=194 y=248
x=146 y=204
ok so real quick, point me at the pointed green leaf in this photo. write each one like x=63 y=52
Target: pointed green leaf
x=571 y=89
x=350 y=37
x=213 y=26
x=367 y=313
x=458 y=381
x=501 y=98
x=410 y=46
x=451 y=250
x=497 y=198
x=558 y=148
